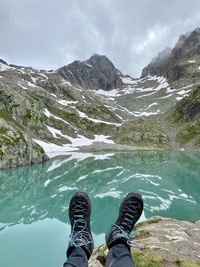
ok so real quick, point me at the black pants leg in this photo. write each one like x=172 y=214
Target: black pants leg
x=119 y=256
x=77 y=258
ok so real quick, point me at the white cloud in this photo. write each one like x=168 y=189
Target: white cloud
x=49 y=34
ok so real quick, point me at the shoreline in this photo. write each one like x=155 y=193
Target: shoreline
x=97 y=147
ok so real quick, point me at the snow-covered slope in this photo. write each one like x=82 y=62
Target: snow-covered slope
x=48 y=113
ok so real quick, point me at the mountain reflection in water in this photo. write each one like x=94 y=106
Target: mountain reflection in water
x=38 y=195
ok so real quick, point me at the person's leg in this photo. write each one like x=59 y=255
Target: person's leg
x=81 y=243
x=119 y=238
x=119 y=256
x=77 y=258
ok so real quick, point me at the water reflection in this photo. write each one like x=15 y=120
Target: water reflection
x=168 y=182
x=34 y=200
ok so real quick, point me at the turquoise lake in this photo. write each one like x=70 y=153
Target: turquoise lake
x=34 y=225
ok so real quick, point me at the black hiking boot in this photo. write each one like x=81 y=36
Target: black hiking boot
x=129 y=213
x=79 y=215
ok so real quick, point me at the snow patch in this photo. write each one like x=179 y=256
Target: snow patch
x=151 y=105
x=192 y=61
x=162 y=97
x=23 y=87
x=183 y=92
x=179 y=98
x=83 y=115
x=53 y=150
x=87 y=64
x=49 y=114
x=66 y=102
x=66 y=82
x=111 y=93
x=31 y=84
x=34 y=79
x=169 y=90
x=54 y=95
x=44 y=76
x=4 y=67
x=128 y=80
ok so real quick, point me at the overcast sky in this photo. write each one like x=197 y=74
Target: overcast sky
x=49 y=34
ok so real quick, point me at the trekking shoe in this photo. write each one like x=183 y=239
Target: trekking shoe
x=129 y=213
x=79 y=215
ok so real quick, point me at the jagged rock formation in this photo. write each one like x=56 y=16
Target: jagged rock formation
x=98 y=72
x=158 y=64
x=182 y=61
x=164 y=242
x=184 y=56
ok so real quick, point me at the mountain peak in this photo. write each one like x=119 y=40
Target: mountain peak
x=97 y=72
x=172 y=63
x=3 y=62
x=97 y=57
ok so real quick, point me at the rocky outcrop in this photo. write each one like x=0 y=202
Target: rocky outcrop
x=98 y=72
x=182 y=61
x=164 y=242
x=17 y=149
x=189 y=107
x=157 y=65
x=142 y=132
x=186 y=52
x=187 y=115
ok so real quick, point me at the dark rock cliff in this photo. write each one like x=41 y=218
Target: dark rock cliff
x=157 y=65
x=98 y=72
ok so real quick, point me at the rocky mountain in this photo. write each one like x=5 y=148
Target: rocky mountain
x=92 y=106
x=182 y=61
x=158 y=64
x=187 y=114
x=98 y=72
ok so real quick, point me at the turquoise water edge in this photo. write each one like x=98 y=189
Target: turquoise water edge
x=34 y=225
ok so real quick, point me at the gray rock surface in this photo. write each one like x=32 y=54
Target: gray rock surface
x=98 y=72
x=180 y=62
x=158 y=64
x=164 y=242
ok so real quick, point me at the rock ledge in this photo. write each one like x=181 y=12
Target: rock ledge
x=164 y=242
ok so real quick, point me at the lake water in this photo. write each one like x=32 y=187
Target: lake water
x=34 y=225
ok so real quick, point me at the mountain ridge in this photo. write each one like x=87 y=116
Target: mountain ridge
x=172 y=66
x=44 y=113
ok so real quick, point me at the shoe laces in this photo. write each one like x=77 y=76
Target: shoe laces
x=119 y=232
x=130 y=216
x=79 y=234
x=79 y=209
x=79 y=238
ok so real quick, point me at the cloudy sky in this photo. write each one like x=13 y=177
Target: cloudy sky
x=49 y=34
